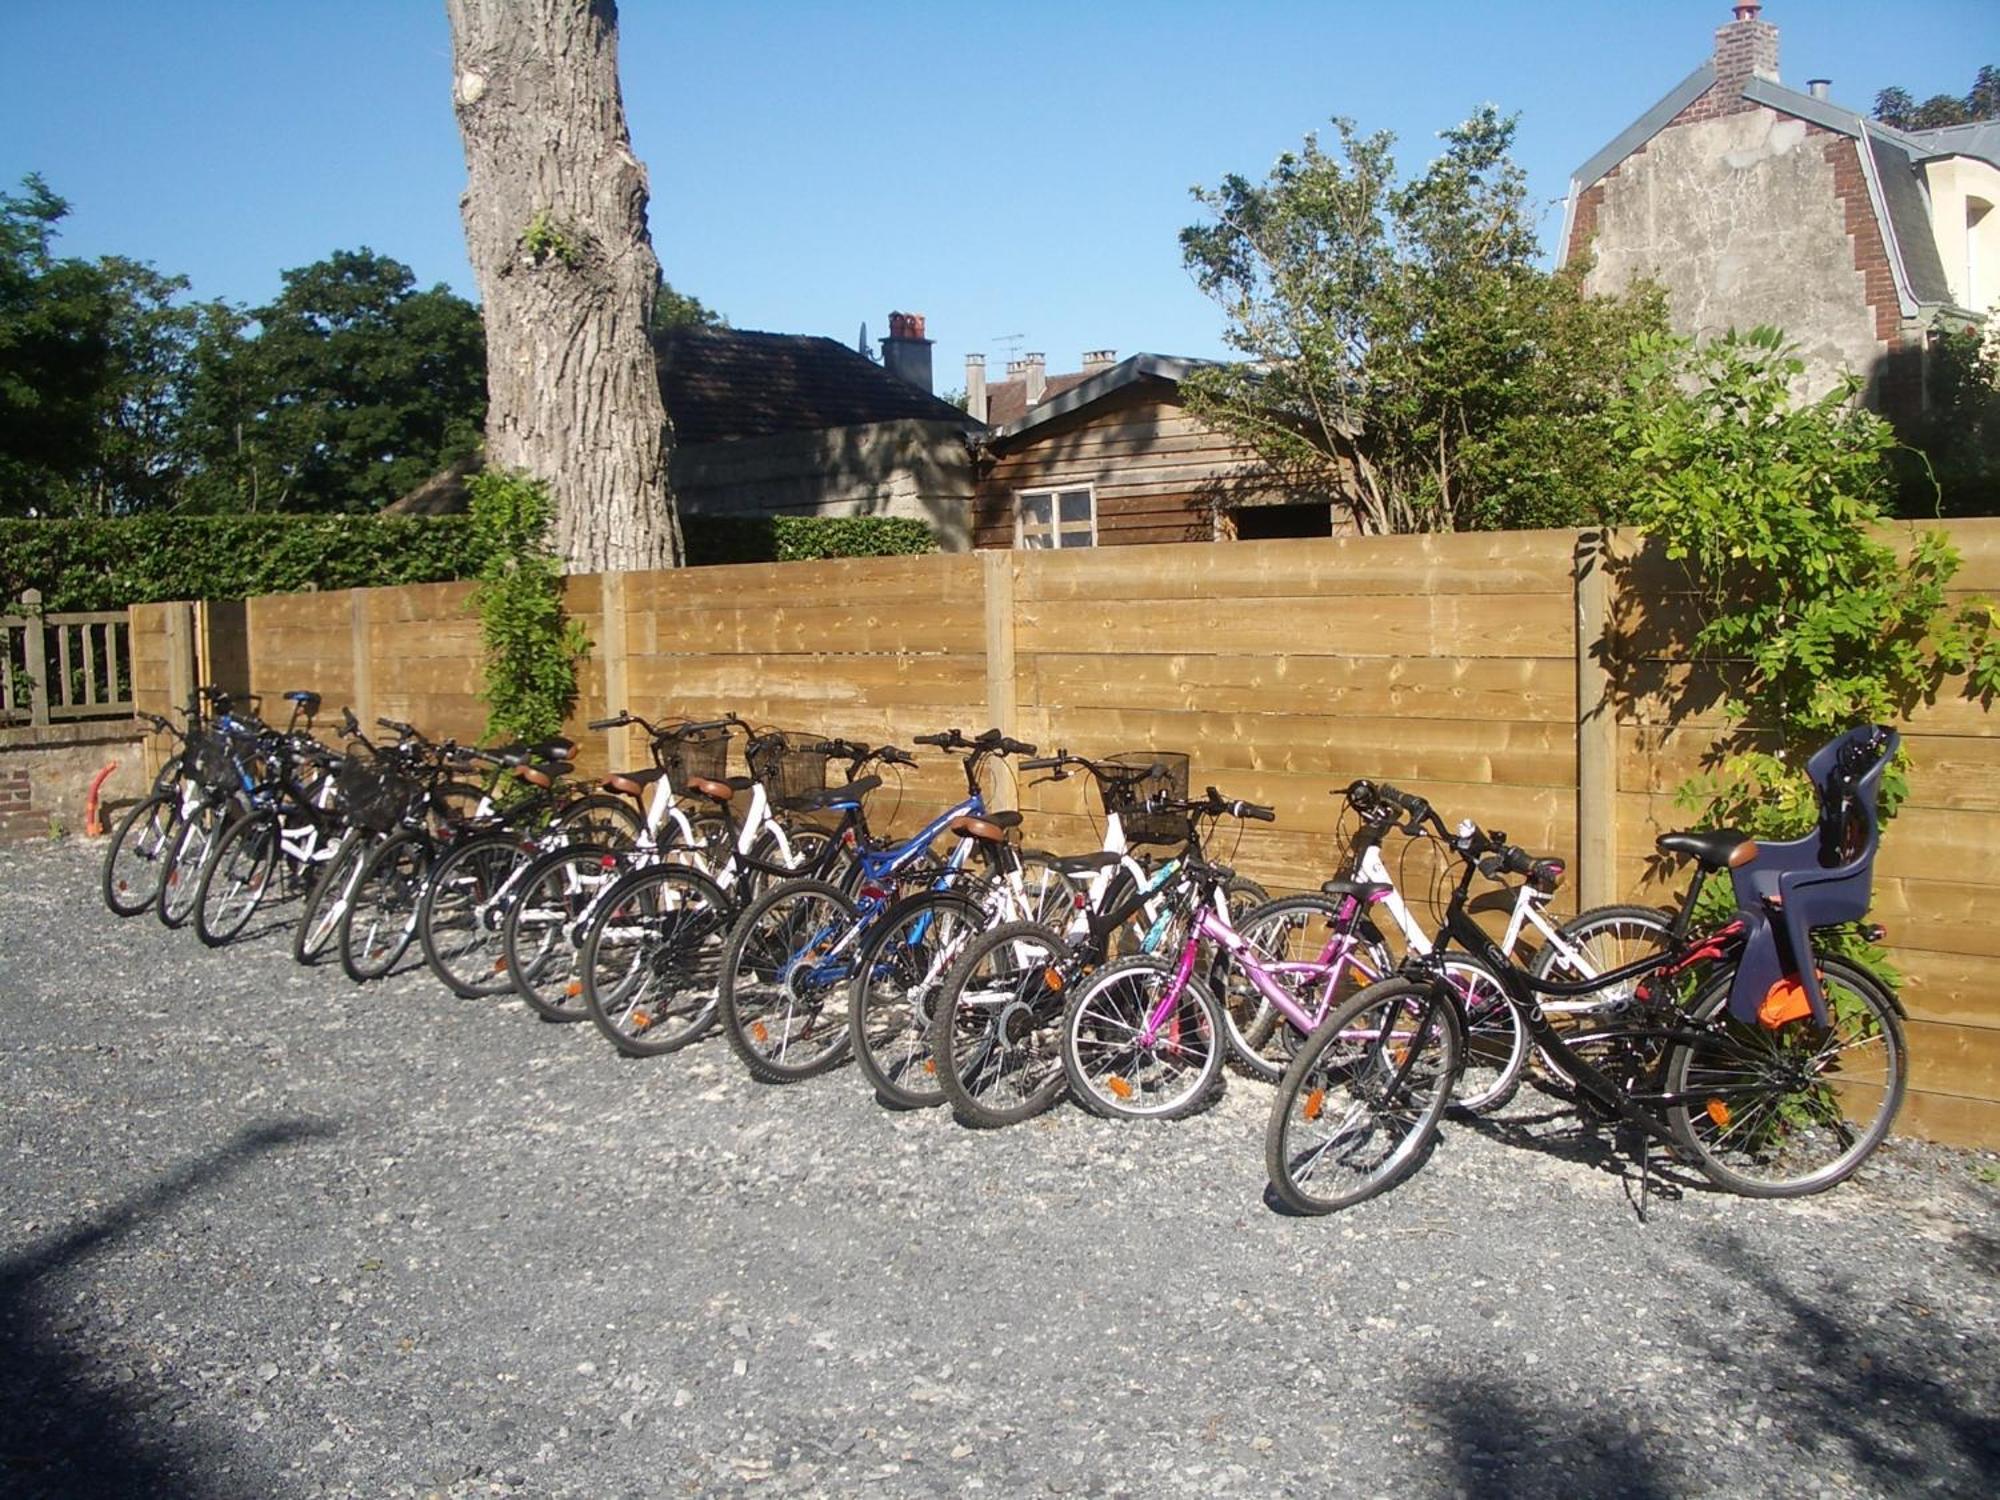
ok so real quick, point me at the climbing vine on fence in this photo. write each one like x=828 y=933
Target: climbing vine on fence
x=532 y=647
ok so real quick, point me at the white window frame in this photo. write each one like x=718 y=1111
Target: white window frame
x=1055 y=531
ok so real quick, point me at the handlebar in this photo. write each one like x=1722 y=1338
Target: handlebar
x=991 y=742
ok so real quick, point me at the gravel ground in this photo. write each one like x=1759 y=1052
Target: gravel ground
x=264 y=1233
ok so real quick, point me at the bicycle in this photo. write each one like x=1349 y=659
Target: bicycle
x=135 y=859
x=1777 y=1077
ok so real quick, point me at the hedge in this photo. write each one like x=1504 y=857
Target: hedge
x=146 y=559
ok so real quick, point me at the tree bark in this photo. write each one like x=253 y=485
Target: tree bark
x=555 y=221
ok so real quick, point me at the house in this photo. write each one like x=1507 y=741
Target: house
x=1109 y=455
x=1754 y=203
x=791 y=424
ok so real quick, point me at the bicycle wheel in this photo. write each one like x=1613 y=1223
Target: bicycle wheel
x=381 y=915
x=601 y=818
x=790 y=959
x=1779 y=1112
x=463 y=907
x=1288 y=937
x=239 y=874
x=1592 y=943
x=898 y=979
x=539 y=938
x=136 y=859
x=166 y=776
x=1495 y=1041
x=326 y=902
x=180 y=876
x=1052 y=896
x=1359 y=1107
x=652 y=958
x=997 y=1034
x=1123 y=1057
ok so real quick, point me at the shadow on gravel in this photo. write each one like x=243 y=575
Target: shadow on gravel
x=1895 y=1392
x=1502 y=1441
x=1565 y=1131
x=65 y=1429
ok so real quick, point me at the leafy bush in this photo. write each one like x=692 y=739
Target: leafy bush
x=532 y=647
x=147 y=559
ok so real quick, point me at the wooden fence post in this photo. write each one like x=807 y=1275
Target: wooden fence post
x=34 y=662
x=182 y=670
x=611 y=652
x=1596 y=726
x=359 y=614
x=996 y=576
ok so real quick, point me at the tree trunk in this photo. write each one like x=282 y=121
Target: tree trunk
x=555 y=220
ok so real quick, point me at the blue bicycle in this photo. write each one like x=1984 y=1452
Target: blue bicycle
x=795 y=952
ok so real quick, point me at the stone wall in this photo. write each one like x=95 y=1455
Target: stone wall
x=45 y=774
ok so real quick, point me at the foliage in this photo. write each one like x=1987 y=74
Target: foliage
x=107 y=564
x=1405 y=352
x=746 y=539
x=672 y=309
x=1776 y=507
x=1952 y=464
x=1894 y=106
x=532 y=647
x=544 y=240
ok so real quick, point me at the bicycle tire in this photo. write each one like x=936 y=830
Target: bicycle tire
x=1605 y=938
x=539 y=935
x=898 y=979
x=135 y=859
x=1731 y=1141
x=769 y=1003
x=651 y=959
x=1113 y=1072
x=180 y=878
x=380 y=922
x=462 y=909
x=326 y=901
x=996 y=1036
x=601 y=818
x=1493 y=1041
x=1343 y=1060
x=237 y=877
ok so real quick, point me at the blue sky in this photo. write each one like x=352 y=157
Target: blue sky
x=1006 y=169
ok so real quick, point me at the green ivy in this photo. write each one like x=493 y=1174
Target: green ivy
x=532 y=647
x=734 y=539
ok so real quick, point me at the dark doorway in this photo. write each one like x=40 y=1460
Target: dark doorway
x=1263 y=523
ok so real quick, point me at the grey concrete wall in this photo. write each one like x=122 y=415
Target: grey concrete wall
x=1739 y=219
x=914 y=469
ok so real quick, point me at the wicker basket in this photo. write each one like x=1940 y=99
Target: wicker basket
x=209 y=763
x=788 y=773
x=704 y=754
x=1128 y=798
x=371 y=797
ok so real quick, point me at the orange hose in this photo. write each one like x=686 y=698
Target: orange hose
x=92 y=827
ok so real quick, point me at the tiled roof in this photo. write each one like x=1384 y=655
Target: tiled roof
x=721 y=384
x=1007 y=400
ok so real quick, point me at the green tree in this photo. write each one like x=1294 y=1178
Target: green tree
x=1894 y=106
x=356 y=388
x=1952 y=464
x=1404 y=354
x=55 y=356
x=672 y=309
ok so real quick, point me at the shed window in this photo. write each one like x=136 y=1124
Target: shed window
x=1056 y=518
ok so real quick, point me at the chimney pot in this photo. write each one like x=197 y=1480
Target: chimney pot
x=1095 y=360
x=1747 y=9
x=975 y=387
x=1819 y=88
x=1033 y=370
x=906 y=353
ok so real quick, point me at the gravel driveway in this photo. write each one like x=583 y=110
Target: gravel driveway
x=269 y=1234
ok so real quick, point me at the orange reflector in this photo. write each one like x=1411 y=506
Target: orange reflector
x=758 y=1032
x=641 y=1019
x=1315 y=1102
x=1717 y=1111
x=499 y=966
x=1784 y=1001
x=930 y=1065
x=1119 y=1087
x=1052 y=978
x=573 y=988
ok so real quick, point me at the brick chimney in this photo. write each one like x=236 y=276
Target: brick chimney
x=1744 y=49
x=1033 y=371
x=975 y=387
x=906 y=353
x=1097 y=361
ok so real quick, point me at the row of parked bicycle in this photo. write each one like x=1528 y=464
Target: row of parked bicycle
x=957 y=967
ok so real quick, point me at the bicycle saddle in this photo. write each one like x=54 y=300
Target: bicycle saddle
x=992 y=828
x=1712 y=849
x=1367 y=892
x=633 y=783
x=1076 y=864
x=715 y=791
x=836 y=796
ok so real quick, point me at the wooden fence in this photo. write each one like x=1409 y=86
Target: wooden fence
x=63 y=665
x=1513 y=678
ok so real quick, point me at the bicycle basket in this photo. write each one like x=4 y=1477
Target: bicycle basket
x=795 y=774
x=208 y=762
x=1127 y=797
x=685 y=757
x=371 y=798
